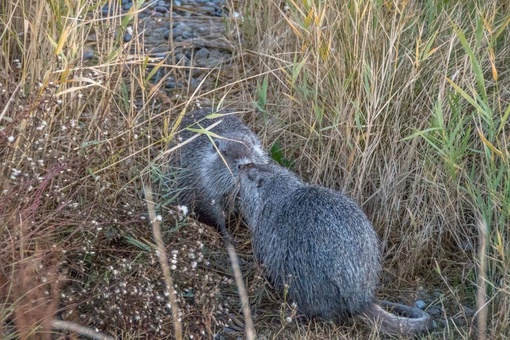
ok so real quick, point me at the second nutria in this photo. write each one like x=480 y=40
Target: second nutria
x=205 y=168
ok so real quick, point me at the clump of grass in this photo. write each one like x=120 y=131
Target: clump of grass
x=403 y=105
x=77 y=134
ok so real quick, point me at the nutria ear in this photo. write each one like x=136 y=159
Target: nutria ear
x=219 y=144
x=260 y=182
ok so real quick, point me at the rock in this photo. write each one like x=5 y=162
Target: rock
x=420 y=304
x=435 y=311
x=176 y=31
x=161 y=9
x=202 y=53
x=170 y=83
x=187 y=34
x=215 y=53
x=194 y=83
x=177 y=3
x=127 y=37
x=469 y=312
x=213 y=61
x=88 y=55
x=208 y=9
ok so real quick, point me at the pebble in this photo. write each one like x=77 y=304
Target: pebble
x=435 y=311
x=193 y=32
x=187 y=34
x=161 y=9
x=208 y=9
x=170 y=83
x=202 y=53
x=420 y=304
x=177 y=31
x=88 y=55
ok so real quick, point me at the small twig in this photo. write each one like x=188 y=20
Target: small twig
x=156 y=230
x=4 y=111
x=74 y=327
x=249 y=327
x=481 y=296
x=248 y=321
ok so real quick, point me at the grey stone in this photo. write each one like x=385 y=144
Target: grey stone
x=435 y=311
x=215 y=53
x=207 y=9
x=127 y=37
x=171 y=84
x=201 y=53
x=187 y=34
x=213 y=61
x=420 y=304
x=161 y=9
x=88 y=55
x=177 y=31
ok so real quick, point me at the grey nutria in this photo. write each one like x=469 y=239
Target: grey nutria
x=205 y=168
x=318 y=246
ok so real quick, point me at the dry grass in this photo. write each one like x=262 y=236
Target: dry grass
x=404 y=105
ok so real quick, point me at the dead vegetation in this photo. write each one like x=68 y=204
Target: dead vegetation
x=404 y=105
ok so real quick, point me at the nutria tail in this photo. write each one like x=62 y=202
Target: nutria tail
x=400 y=319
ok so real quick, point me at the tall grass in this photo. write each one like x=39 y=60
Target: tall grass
x=75 y=137
x=402 y=104
x=405 y=106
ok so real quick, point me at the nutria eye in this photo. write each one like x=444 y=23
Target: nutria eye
x=260 y=182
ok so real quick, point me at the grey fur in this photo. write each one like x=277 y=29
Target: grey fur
x=205 y=179
x=318 y=242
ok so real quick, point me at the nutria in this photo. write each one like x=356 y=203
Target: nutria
x=205 y=168
x=318 y=245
